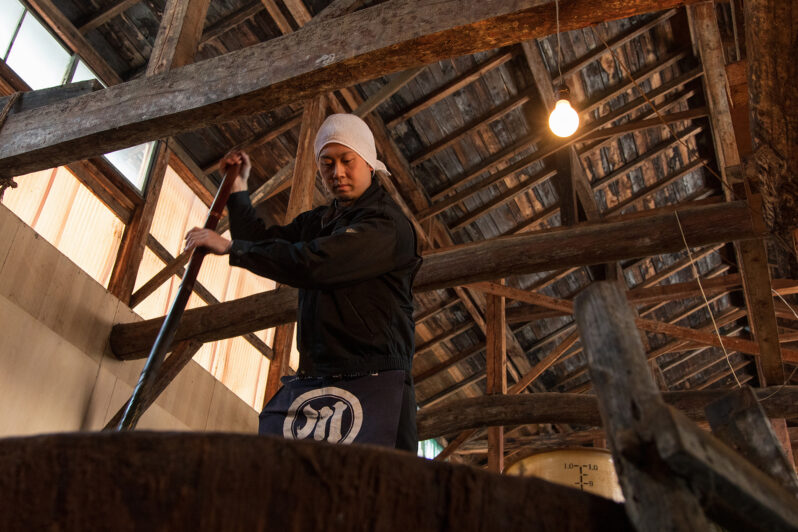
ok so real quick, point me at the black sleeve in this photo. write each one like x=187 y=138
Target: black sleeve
x=362 y=250
x=245 y=224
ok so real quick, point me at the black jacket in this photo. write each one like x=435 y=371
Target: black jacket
x=354 y=268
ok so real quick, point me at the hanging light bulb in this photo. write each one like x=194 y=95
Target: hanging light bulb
x=563 y=120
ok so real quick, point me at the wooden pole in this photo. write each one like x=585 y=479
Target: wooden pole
x=163 y=341
x=627 y=397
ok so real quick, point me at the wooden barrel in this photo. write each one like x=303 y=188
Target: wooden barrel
x=205 y=481
x=583 y=468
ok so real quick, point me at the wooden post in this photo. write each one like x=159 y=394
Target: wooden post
x=628 y=397
x=301 y=200
x=741 y=423
x=497 y=374
x=671 y=471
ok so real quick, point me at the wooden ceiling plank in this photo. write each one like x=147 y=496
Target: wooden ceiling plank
x=637 y=125
x=544 y=151
x=449 y=362
x=614 y=43
x=201 y=94
x=261 y=138
x=464 y=79
x=445 y=336
x=513 y=103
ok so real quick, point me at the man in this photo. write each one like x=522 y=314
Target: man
x=354 y=262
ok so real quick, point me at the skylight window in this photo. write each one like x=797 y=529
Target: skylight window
x=9 y=23
x=36 y=56
x=82 y=72
x=41 y=60
x=133 y=163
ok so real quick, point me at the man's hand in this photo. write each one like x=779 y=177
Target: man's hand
x=241 y=160
x=209 y=239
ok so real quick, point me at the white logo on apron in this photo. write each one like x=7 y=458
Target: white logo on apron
x=327 y=414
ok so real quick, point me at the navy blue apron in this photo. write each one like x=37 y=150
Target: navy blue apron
x=337 y=409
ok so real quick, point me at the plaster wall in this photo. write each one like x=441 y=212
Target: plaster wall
x=56 y=369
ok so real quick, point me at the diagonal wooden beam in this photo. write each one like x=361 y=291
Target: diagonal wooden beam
x=98 y=19
x=204 y=93
x=230 y=21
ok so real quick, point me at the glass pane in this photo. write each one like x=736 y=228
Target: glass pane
x=82 y=72
x=36 y=56
x=12 y=12
x=133 y=162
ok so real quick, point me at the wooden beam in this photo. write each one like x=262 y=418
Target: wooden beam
x=106 y=14
x=572 y=182
x=174 y=46
x=592 y=243
x=32 y=99
x=230 y=21
x=496 y=372
x=203 y=293
x=579 y=409
x=203 y=93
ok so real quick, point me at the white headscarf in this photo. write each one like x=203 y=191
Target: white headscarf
x=352 y=132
